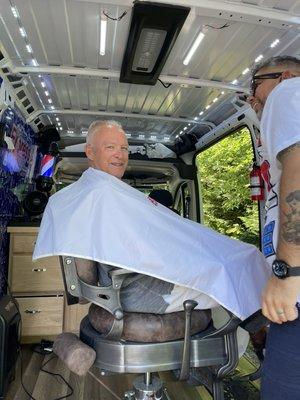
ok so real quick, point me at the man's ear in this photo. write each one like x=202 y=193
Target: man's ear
x=89 y=152
x=287 y=74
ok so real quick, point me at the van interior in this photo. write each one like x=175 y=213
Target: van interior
x=176 y=76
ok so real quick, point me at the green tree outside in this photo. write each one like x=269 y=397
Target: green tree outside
x=224 y=178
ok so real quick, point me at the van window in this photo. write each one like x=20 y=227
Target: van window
x=223 y=175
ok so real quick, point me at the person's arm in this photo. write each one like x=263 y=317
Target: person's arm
x=281 y=294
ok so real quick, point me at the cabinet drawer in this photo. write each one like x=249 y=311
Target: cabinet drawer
x=41 y=315
x=42 y=275
x=23 y=243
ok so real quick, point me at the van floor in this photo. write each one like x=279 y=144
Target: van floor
x=43 y=386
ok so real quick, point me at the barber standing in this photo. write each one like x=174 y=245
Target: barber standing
x=276 y=100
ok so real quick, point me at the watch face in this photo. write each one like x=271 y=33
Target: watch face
x=280 y=269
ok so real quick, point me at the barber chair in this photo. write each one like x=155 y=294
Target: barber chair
x=185 y=342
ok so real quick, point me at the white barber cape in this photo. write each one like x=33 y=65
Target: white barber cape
x=99 y=217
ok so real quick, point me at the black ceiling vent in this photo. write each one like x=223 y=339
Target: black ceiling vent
x=153 y=31
x=13 y=78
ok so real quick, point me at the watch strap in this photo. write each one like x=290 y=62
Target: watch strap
x=294 y=271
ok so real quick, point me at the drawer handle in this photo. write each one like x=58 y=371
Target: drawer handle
x=32 y=311
x=39 y=269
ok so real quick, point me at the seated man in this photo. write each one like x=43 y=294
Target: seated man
x=101 y=218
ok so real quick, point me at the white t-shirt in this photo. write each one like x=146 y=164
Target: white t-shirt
x=280 y=128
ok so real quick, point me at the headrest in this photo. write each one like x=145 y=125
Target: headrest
x=162 y=196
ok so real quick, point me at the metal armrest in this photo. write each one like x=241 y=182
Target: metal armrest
x=188 y=307
x=68 y=278
x=230 y=325
x=255 y=322
x=229 y=332
x=107 y=297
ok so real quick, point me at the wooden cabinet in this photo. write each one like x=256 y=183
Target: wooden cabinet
x=41 y=316
x=39 y=290
x=41 y=276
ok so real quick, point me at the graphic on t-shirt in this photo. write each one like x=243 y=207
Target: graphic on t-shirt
x=268 y=246
x=272 y=200
x=291 y=228
x=265 y=173
x=272 y=196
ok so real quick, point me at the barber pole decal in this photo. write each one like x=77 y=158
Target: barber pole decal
x=47 y=166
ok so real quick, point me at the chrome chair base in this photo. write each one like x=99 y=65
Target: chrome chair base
x=146 y=387
x=125 y=357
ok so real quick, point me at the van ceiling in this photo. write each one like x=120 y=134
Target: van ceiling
x=51 y=62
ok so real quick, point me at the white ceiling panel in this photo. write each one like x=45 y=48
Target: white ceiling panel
x=64 y=36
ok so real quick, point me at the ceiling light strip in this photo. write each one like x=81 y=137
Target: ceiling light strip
x=194 y=47
x=103 y=29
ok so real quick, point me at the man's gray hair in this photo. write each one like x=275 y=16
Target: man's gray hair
x=278 y=61
x=96 y=125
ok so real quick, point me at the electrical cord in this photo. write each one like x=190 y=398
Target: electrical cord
x=217 y=27
x=115 y=19
x=47 y=372
x=21 y=355
x=165 y=85
x=59 y=376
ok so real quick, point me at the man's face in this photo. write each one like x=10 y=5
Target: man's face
x=108 y=150
x=263 y=87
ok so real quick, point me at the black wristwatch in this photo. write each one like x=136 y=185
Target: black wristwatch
x=282 y=270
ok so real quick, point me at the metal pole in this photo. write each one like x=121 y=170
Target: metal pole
x=148 y=379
